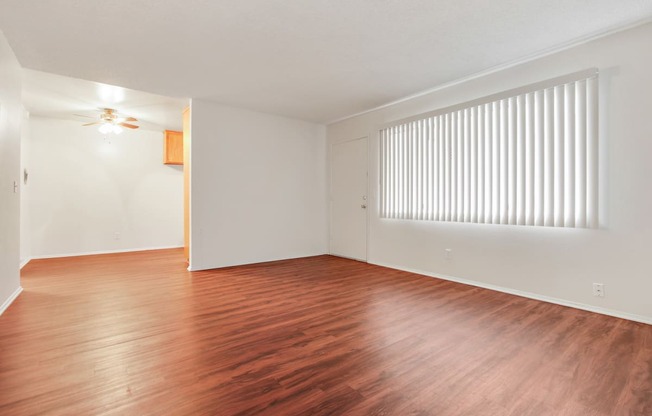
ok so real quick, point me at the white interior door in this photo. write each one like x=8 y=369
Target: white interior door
x=348 y=237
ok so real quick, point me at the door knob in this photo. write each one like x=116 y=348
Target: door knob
x=363 y=206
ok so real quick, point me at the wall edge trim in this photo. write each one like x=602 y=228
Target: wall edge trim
x=10 y=300
x=501 y=67
x=548 y=299
x=193 y=268
x=93 y=253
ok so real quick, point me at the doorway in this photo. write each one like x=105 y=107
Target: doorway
x=349 y=204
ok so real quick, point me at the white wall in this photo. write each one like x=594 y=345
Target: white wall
x=25 y=244
x=85 y=186
x=11 y=113
x=548 y=262
x=258 y=187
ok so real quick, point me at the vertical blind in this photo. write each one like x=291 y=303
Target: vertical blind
x=524 y=157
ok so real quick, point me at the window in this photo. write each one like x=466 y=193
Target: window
x=525 y=157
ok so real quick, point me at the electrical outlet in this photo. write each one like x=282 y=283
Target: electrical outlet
x=116 y=236
x=598 y=290
x=448 y=254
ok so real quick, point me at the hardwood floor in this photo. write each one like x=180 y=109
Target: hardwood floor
x=136 y=334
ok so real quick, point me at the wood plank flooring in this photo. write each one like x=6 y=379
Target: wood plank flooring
x=136 y=334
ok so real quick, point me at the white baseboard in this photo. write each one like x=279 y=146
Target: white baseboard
x=93 y=253
x=193 y=268
x=10 y=300
x=24 y=263
x=557 y=301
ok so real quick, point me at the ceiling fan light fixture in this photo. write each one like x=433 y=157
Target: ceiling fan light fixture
x=111 y=122
x=107 y=128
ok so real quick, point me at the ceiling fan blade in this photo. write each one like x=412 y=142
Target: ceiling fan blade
x=123 y=119
x=81 y=115
x=92 y=124
x=127 y=125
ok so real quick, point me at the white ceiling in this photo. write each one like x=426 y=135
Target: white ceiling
x=57 y=96
x=317 y=60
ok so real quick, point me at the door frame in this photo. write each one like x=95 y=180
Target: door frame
x=330 y=197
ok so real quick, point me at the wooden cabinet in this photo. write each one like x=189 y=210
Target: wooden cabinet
x=173 y=148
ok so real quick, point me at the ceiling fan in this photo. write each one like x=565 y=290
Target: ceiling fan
x=111 y=122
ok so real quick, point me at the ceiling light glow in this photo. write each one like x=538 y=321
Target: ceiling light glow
x=107 y=128
x=111 y=94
